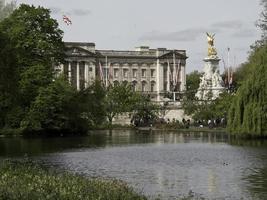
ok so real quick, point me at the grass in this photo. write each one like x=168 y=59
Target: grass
x=8 y=132
x=26 y=180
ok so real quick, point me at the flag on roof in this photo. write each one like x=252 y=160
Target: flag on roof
x=67 y=20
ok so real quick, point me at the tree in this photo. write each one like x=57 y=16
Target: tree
x=31 y=44
x=57 y=108
x=120 y=98
x=144 y=111
x=35 y=35
x=8 y=78
x=248 y=112
x=92 y=100
x=208 y=109
x=262 y=24
x=192 y=84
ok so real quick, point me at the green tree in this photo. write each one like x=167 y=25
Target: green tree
x=35 y=35
x=248 y=112
x=31 y=45
x=192 y=84
x=92 y=100
x=208 y=109
x=120 y=98
x=8 y=78
x=262 y=24
x=57 y=108
x=145 y=112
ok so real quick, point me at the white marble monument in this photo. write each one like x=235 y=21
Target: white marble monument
x=211 y=84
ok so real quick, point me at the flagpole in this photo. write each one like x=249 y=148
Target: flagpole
x=168 y=76
x=174 y=78
x=228 y=63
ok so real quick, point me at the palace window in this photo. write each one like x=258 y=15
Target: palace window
x=152 y=72
x=125 y=73
x=143 y=72
x=134 y=73
x=116 y=73
x=144 y=86
x=134 y=86
x=153 y=85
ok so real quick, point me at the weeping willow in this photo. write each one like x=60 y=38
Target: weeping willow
x=248 y=111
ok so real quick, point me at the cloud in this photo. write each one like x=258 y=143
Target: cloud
x=244 y=33
x=186 y=35
x=55 y=10
x=232 y=24
x=81 y=12
x=76 y=12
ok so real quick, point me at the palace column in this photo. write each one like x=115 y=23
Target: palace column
x=183 y=77
x=86 y=74
x=168 y=77
x=78 y=75
x=174 y=71
x=69 y=72
x=158 y=77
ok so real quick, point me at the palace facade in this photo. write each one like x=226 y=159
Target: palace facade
x=156 y=72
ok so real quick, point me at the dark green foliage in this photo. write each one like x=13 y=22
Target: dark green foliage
x=8 y=78
x=92 y=101
x=31 y=80
x=192 y=84
x=145 y=112
x=35 y=35
x=56 y=108
x=209 y=109
x=120 y=98
x=248 y=110
x=25 y=180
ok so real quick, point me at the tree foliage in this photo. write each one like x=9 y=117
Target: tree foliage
x=92 y=100
x=192 y=84
x=208 y=109
x=35 y=35
x=144 y=111
x=31 y=44
x=57 y=108
x=120 y=98
x=248 y=112
x=8 y=78
x=262 y=24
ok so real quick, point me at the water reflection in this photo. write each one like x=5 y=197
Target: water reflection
x=166 y=163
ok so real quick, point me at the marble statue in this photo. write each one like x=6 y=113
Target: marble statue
x=211 y=84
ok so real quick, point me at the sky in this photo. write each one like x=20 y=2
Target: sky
x=172 y=24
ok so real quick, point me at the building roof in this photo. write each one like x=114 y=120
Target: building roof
x=140 y=52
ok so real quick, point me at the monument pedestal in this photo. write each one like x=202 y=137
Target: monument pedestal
x=211 y=84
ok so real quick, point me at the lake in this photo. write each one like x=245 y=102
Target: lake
x=163 y=164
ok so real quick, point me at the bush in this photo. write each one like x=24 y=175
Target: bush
x=26 y=180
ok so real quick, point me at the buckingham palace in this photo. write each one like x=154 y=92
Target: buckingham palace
x=156 y=72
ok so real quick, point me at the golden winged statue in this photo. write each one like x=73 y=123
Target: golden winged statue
x=211 y=49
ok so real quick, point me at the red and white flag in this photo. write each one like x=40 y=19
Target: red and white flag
x=101 y=72
x=67 y=20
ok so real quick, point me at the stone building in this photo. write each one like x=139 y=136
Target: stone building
x=156 y=72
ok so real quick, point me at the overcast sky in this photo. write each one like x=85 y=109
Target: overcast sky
x=174 y=24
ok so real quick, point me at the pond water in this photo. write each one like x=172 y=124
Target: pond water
x=158 y=164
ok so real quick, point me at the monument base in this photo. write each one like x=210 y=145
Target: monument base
x=211 y=84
